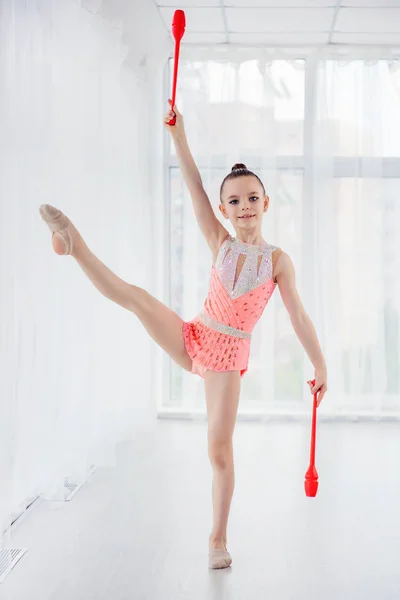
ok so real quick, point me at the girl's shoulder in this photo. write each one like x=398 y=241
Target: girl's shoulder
x=282 y=264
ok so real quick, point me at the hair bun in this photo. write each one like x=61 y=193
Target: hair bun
x=239 y=166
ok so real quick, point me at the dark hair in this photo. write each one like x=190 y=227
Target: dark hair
x=239 y=170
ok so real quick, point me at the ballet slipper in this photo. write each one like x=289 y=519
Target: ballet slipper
x=219 y=559
x=59 y=224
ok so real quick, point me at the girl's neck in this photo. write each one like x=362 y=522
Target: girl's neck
x=252 y=239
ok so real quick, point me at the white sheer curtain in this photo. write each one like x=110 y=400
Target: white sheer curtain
x=74 y=370
x=323 y=135
x=355 y=230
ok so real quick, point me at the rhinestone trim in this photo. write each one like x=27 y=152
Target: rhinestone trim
x=222 y=328
x=250 y=275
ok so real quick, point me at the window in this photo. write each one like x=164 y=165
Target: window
x=256 y=112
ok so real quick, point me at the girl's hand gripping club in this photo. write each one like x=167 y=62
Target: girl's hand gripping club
x=311 y=477
x=178 y=29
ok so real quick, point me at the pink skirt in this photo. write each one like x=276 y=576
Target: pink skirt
x=211 y=350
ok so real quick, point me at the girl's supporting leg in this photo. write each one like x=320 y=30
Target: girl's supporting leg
x=163 y=324
x=222 y=398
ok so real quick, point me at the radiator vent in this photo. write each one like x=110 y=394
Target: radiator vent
x=8 y=559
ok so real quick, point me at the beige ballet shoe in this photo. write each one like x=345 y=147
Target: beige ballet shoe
x=59 y=224
x=219 y=559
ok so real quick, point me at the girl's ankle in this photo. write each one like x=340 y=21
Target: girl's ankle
x=217 y=541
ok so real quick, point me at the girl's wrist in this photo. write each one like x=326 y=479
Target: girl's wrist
x=179 y=137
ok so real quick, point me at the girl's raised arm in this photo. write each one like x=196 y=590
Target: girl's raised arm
x=213 y=231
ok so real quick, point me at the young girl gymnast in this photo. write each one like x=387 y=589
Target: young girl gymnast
x=216 y=343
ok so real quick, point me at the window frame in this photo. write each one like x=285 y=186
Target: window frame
x=343 y=166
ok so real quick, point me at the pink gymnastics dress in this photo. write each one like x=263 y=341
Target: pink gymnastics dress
x=241 y=284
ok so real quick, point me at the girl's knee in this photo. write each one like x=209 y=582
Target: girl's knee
x=220 y=454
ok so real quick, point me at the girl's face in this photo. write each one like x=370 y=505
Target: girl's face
x=244 y=203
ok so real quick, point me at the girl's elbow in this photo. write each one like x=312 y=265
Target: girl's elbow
x=299 y=317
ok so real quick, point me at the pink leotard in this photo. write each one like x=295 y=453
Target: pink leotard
x=241 y=284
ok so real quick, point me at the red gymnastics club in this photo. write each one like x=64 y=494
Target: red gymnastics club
x=311 y=477
x=178 y=29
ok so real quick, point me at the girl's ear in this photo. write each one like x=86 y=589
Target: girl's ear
x=266 y=203
x=223 y=211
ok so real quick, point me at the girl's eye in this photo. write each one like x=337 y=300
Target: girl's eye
x=251 y=197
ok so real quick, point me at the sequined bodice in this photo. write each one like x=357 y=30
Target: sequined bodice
x=242 y=267
x=240 y=287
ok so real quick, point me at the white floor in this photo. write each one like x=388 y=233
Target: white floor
x=141 y=531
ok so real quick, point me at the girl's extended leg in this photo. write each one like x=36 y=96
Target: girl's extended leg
x=163 y=324
x=222 y=398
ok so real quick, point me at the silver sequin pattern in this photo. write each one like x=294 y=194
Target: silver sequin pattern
x=248 y=279
x=221 y=327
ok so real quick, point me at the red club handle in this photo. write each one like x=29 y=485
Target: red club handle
x=178 y=29
x=311 y=477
